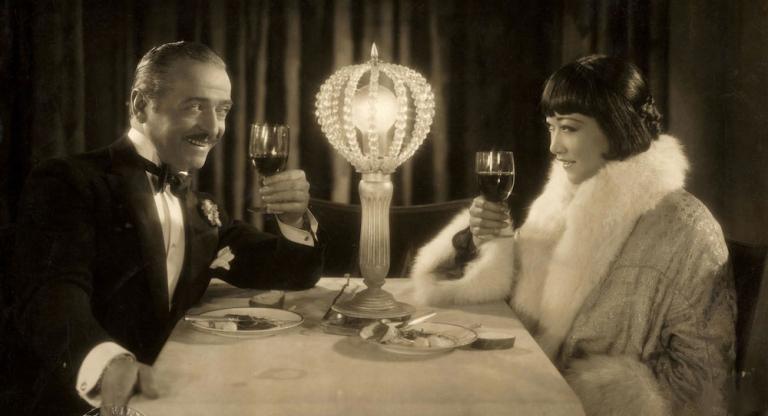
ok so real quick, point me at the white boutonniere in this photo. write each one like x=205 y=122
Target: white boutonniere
x=210 y=212
x=223 y=258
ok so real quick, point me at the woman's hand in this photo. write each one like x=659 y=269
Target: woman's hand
x=487 y=219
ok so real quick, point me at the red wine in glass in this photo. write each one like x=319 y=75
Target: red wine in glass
x=268 y=150
x=496 y=186
x=269 y=164
x=495 y=171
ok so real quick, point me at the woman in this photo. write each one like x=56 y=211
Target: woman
x=619 y=273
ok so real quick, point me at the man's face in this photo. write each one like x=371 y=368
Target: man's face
x=188 y=117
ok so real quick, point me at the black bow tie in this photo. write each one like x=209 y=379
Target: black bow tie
x=164 y=175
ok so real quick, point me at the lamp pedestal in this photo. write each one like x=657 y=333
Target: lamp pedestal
x=374 y=302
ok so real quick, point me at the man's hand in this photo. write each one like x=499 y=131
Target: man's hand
x=122 y=377
x=287 y=194
x=487 y=219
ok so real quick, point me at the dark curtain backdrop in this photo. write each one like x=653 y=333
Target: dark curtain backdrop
x=66 y=67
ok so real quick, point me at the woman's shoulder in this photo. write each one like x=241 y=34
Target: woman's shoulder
x=683 y=209
x=682 y=217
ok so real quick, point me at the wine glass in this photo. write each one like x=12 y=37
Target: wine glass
x=495 y=171
x=268 y=151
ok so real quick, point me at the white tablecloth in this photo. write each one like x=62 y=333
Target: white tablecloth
x=308 y=372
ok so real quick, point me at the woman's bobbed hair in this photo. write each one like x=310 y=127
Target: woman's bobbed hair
x=613 y=92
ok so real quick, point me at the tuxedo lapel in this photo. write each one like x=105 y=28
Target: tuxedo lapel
x=201 y=240
x=130 y=181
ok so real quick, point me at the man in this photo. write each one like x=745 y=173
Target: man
x=111 y=249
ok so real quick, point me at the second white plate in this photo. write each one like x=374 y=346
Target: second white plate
x=460 y=336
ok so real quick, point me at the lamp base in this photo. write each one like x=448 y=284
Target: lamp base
x=374 y=303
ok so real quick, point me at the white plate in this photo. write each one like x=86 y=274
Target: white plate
x=284 y=320
x=460 y=336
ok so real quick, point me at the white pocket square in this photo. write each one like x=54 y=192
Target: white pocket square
x=223 y=257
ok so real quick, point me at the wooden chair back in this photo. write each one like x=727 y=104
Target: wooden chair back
x=410 y=228
x=750 y=270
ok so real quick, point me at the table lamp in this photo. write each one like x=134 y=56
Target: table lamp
x=375 y=115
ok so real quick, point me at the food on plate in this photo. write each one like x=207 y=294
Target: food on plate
x=223 y=325
x=390 y=333
x=242 y=323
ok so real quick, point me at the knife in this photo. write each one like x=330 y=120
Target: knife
x=418 y=320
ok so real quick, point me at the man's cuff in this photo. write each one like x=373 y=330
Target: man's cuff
x=299 y=235
x=93 y=367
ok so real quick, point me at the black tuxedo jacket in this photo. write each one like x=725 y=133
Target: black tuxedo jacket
x=89 y=265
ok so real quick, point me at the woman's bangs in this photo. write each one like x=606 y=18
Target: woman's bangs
x=566 y=93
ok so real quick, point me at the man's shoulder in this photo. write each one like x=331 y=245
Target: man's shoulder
x=81 y=164
x=97 y=159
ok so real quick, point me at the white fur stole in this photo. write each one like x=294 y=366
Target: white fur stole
x=565 y=248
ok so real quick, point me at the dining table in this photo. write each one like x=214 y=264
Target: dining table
x=308 y=371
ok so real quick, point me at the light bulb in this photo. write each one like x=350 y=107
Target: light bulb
x=384 y=108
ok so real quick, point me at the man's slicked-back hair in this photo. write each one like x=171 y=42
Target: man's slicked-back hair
x=151 y=72
x=613 y=92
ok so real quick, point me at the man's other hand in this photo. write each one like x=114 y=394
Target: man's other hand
x=122 y=377
x=287 y=194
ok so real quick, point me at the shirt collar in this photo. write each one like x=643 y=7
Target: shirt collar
x=144 y=147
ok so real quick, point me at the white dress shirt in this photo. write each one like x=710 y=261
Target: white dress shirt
x=171 y=216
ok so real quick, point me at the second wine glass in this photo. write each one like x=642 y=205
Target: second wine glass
x=495 y=172
x=268 y=150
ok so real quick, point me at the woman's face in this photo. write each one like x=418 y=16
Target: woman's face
x=578 y=143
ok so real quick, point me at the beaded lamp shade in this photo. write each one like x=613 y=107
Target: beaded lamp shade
x=376 y=115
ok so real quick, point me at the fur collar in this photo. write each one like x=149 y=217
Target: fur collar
x=565 y=248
